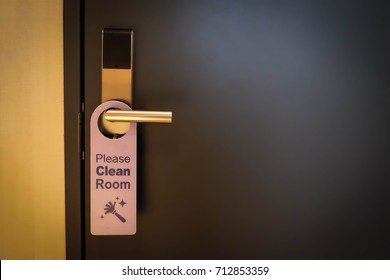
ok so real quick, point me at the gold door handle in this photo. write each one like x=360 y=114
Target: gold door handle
x=117 y=81
x=138 y=116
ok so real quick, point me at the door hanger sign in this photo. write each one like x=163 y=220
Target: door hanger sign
x=113 y=178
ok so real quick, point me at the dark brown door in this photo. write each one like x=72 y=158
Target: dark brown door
x=279 y=147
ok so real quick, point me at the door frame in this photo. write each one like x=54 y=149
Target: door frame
x=73 y=40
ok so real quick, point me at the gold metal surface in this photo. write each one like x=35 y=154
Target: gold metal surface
x=117 y=84
x=119 y=116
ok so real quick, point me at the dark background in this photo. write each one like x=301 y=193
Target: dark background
x=279 y=147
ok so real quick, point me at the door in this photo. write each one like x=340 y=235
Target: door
x=279 y=146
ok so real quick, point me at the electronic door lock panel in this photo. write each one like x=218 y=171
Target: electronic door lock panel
x=117 y=82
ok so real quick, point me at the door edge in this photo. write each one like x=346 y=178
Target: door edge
x=73 y=23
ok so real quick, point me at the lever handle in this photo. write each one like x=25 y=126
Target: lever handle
x=138 y=116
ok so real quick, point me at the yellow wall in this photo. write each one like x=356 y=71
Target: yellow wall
x=32 y=192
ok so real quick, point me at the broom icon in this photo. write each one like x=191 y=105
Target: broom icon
x=110 y=208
